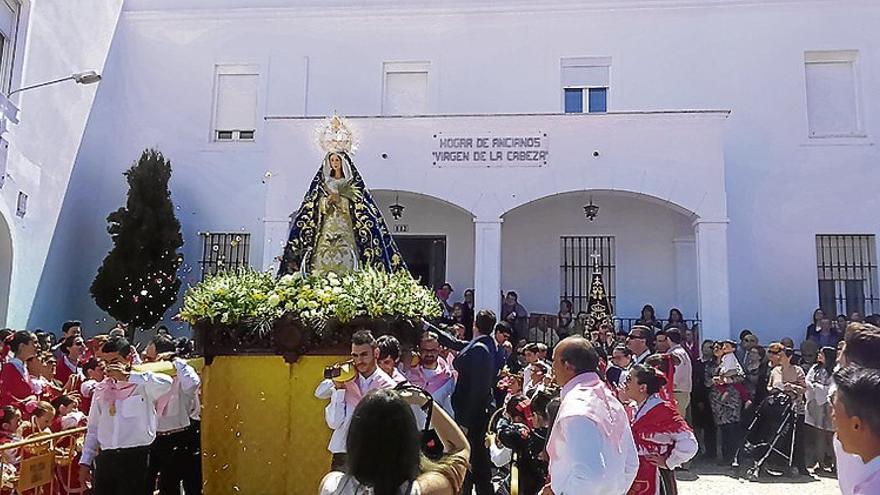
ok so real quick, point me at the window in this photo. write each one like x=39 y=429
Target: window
x=580 y=257
x=585 y=83
x=832 y=93
x=9 y=10
x=224 y=251
x=405 y=88
x=235 y=105
x=847 y=266
x=21 y=204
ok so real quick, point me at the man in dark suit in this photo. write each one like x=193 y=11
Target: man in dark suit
x=472 y=398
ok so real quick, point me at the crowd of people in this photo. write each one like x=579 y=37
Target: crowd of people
x=646 y=401
x=469 y=409
x=141 y=428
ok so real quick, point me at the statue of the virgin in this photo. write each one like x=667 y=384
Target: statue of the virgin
x=338 y=227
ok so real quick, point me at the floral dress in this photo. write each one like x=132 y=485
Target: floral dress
x=725 y=401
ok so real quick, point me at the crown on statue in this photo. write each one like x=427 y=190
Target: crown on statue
x=335 y=136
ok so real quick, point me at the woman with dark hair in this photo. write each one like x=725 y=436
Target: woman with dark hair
x=818 y=409
x=676 y=320
x=648 y=317
x=813 y=327
x=663 y=438
x=384 y=450
x=790 y=379
x=16 y=387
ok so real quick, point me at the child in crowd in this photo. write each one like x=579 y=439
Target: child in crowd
x=10 y=422
x=730 y=368
x=69 y=416
x=521 y=435
x=94 y=371
x=42 y=415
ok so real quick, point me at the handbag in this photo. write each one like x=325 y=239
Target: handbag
x=432 y=446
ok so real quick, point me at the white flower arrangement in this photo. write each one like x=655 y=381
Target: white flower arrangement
x=246 y=295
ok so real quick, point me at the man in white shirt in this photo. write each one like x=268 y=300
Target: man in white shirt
x=669 y=341
x=591 y=446
x=122 y=424
x=345 y=396
x=169 y=453
x=857 y=422
x=433 y=374
x=637 y=341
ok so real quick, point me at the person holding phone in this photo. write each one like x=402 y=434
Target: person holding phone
x=346 y=395
x=384 y=449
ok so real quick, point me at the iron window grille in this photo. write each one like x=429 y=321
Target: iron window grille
x=847 y=272
x=580 y=257
x=224 y=251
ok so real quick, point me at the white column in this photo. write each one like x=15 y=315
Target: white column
x=686 y=276
x=713 y=287
x=487 y=264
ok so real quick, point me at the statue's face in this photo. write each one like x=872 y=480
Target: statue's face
x=336 y=164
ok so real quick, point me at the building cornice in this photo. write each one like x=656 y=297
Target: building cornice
x=717 y=114
x=275 y=10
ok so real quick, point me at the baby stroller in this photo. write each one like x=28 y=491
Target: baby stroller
x=770 y=437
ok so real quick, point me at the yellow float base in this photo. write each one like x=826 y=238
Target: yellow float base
x=263 y=430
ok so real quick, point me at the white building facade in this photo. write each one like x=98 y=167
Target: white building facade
x=729 y=145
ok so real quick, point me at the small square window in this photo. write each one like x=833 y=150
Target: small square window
x=224 y=135
x=246 y=135
x=574 y=100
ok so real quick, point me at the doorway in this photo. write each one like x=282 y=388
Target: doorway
x=425 y=257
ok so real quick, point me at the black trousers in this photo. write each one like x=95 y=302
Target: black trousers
x=731 y=441
x=337 y=463
x=122 y=471
x=192 y=476
x=479 y=477
x=176 y=459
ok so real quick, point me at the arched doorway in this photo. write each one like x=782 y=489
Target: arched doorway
x=435 y=237
x=644 y=247
x=5 y=268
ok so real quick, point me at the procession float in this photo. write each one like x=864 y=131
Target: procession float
x=266 y=338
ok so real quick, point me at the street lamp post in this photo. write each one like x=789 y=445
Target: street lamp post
x=87 y=77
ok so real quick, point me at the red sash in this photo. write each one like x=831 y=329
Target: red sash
x=648 y=432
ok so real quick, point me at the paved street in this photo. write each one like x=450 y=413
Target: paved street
x=706 y=480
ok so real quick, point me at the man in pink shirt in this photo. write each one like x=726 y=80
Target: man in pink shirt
x=591 y=446
x=856 y=413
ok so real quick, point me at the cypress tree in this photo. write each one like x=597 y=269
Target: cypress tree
x=138 y=282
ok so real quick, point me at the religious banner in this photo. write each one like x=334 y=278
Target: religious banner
x=600 y=309
x=527 y=149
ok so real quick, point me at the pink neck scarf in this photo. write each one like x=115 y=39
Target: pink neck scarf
x=434 y=383
x=353 y=392
x=109 y=391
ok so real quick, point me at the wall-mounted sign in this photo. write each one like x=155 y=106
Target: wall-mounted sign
x=489 y=150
